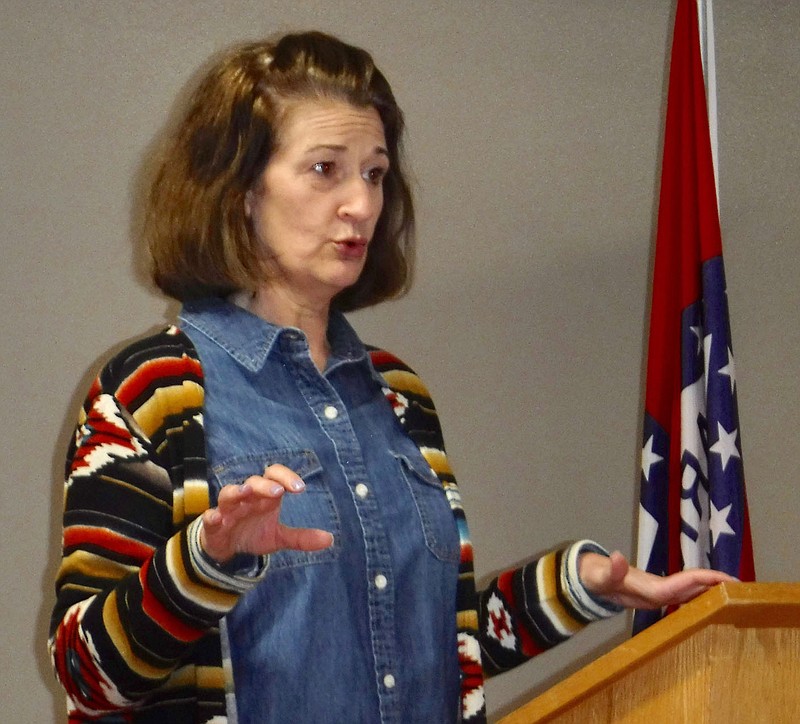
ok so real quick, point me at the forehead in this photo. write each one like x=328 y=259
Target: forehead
x=311 y=122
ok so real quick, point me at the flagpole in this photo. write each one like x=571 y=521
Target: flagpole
x=705 y=16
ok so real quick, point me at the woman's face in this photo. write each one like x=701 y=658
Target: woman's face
x=315 y=206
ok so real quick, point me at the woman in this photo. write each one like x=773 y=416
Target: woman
x=260 y=522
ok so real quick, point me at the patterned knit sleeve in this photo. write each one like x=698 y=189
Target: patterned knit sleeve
x=527 y=610
x=134 y=594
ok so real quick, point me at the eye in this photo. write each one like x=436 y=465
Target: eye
x=323 y=168
x=375 y=175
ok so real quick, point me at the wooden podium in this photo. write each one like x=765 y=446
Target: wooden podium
x=732 y=655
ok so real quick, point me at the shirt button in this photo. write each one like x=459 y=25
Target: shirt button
x=381 y=581
x=388 y=681
x=331 y=412
x=362 y=491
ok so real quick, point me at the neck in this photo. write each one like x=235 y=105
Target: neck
x=286 y=310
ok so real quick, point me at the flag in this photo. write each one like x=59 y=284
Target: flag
x=693 y=508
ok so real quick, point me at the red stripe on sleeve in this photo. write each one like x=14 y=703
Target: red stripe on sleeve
x=80 y=535
x=158 y=369
x=168 y=621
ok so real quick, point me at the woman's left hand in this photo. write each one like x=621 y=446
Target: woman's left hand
x=613 y=578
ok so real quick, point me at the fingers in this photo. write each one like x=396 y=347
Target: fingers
x=306 y=539
x=619 y=569
x=212 y=537
x=680 y=587
x=711 y=577
x=276 y=480
x=285 y=477
x=246 y=519
x=614 y=578
x=603 y=575
x=699 y=580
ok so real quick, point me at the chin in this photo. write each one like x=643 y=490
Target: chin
x=346 y=280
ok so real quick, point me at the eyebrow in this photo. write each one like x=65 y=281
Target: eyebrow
x=378 y=150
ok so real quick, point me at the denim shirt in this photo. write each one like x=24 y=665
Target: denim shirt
x=365 y=630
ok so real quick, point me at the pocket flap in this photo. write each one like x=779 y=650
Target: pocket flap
x=236 y=470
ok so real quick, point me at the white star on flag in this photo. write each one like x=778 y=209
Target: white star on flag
x=698 y=332
x=648 y=530
x=689 y=514
x=729 y=370
x=706 y=358
x=649 y=458
x=719 y=522
x=725 y=446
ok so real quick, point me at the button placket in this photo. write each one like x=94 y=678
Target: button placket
x=333 y=416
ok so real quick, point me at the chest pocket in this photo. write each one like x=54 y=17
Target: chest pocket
x=435 y=514
x=313 y=508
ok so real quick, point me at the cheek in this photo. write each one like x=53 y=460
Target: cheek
x=379 y=202
x=305 y=209
x=298 y=230
x=379 y=198
x=279 y=218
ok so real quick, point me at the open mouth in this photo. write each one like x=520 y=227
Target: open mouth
x=352 y=248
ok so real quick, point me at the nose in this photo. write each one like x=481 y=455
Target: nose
x=361 y=200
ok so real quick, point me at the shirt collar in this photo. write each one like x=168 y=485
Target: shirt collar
x=250 y=340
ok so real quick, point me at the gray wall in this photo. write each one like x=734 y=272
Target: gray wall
x=534 y=132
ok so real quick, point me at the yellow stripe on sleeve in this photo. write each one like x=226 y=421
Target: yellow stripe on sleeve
x=167 y=401
x=195 y=497
x=403 y=381
x=204 y=677
x=467 y=619
x=547 y=579
x=205 y=596
x=437 y=460
x=121 y=642
x=83 y=563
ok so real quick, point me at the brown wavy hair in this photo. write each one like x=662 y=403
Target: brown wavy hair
x=200 y=241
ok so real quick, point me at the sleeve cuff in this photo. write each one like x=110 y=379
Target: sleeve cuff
x=588 y=604
x=239 y=574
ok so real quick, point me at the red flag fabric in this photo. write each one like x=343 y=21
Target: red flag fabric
x=693 y=507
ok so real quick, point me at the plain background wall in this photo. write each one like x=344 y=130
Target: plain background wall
x=535 y=136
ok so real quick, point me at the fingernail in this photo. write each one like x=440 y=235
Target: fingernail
x=298 y=485
x=245 y=488
x=276 y=489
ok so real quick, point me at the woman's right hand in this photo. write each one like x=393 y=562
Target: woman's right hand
x=247 y=518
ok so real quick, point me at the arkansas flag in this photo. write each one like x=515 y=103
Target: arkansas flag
x=693 y=510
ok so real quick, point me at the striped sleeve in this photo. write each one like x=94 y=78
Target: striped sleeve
x=527 y=610
x=134 y=595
